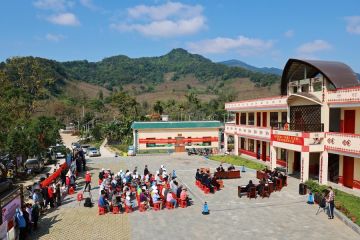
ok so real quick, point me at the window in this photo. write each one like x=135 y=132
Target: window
x=283 y=154
x=206 y=141
x=251 y=118
x=150 y=144
x=237 y=119
x=251 y=145
x=242 y=143
x=284 y=117
x=274 y=119
x=243 y=119
x=317 y=86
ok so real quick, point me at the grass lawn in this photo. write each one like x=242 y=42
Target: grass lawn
x=239 y=161
x=346 y=203
x=350 y=203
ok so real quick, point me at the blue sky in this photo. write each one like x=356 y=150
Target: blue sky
x=261 y=33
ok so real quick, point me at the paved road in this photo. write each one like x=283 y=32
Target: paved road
x=284 y=215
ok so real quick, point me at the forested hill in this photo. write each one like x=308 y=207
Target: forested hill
x=119 y=70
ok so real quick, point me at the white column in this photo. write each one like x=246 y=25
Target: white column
x=290 y=161
x=323 y=169
x=304 y=166
x=273 y=157
x=236 y=145
x=225 y=142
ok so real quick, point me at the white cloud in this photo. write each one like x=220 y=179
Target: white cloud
x=54 y=37
x=88 y=4
x=55 y=5
x=313 y=47
x=165 y=11
x=67 y=19
x=243 y=45
x=167 y=20
x=289 y=34
x=353 y=24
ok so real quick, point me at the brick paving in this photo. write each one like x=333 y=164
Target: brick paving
x=284 y=215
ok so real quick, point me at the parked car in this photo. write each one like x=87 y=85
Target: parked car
x=93 y=152
x=131 y=151
x=85 y=147
x=34 y=165
x=75 y=145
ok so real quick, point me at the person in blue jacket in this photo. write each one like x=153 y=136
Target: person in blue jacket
x=205 y=210
x=21 y=224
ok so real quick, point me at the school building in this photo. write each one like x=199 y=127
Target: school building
x=312 y=129
x=177 y=136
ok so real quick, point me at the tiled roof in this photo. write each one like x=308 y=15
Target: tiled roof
x=184 y=124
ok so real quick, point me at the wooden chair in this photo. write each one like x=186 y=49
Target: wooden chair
x=265 y=191
x=271 y=187
x=278 y=184
x=242 y=191
x=251 y=193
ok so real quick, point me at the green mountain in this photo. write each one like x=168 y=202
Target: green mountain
x=238 y=63
x=119 y=70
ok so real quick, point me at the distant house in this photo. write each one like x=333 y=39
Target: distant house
x=176 y=136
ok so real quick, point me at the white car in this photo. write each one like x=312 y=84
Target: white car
x=75 y=145
x=93 y=152
x=131 y=151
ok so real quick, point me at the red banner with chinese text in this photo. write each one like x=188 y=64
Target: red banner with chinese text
x=287 y=139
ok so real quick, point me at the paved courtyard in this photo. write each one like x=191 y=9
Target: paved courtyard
x=284 y=215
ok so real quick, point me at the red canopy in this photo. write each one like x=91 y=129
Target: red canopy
x=53 y=176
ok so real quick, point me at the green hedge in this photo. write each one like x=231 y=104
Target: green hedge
x=346 y=203
x=239 y=161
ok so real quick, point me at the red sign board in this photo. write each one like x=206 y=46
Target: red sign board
x=185 y=140
x=287 y=139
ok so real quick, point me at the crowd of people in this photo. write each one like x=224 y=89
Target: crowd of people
x=207 y=179
x=43 y=197
x=127 y=190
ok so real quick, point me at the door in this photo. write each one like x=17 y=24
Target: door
x=258 y=119
x=297 y=157
x=349 y=121
x=263 y=151
x=179 y=144
x=348 y=171
x=258 y=150
x=264 y=119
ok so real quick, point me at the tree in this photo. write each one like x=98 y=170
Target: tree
x=158 y=107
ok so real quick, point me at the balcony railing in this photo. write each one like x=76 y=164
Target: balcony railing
x=343 y=142
x=248 y=131
x=299 y=127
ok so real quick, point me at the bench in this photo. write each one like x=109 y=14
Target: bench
x=227 y=174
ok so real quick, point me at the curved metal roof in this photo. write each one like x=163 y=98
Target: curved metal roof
x=340 y=74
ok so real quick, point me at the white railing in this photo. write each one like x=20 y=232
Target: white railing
x=278 y=102
x=345 y=95
x=343 y=142
x=248 y=131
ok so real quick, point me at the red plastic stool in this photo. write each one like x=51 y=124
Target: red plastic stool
x=101 y=211
x=142 y=207
x=80 y=197
x=115 y=210
x=183 y=203
x=128 y=209
x=156 y=206
x=169 y=205
x=71 y=191
x=206 y=190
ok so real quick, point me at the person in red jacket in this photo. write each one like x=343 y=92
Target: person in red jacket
x=87 y=181
x=51 y=195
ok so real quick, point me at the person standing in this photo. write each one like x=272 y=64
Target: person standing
x=331 y=204
x=21 y=224
x=35 y=212
x=87 y=181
